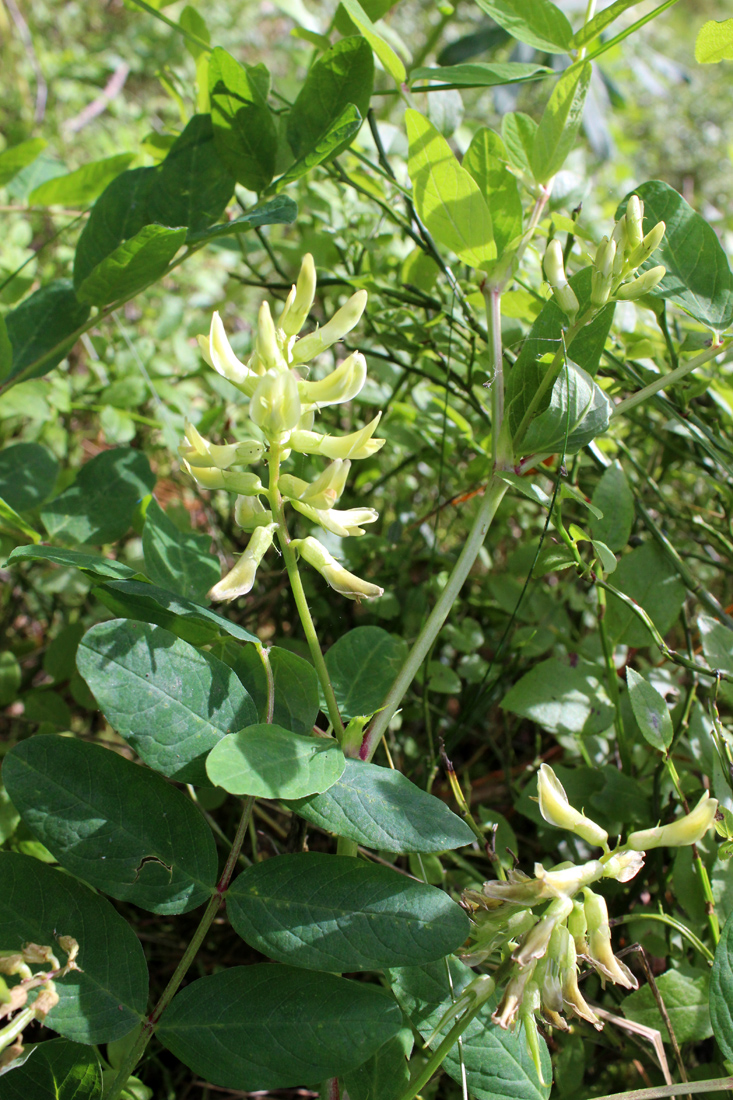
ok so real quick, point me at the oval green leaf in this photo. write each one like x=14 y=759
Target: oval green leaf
x=337 y=913
x=342 y=75
x=269 y=1026
x=540 y=24
x=560 y=122
x=721 y=991
x=133 y=265
x=650 y=710
x=106 y=998
x=27 y=475
x=84 y=185
x=382 y=809
x=244 y=130
x=362 y=665
x=41 y=329
x=481 y=74
x=180 y=561
x=54 y=1070
x=268 y=761
x=88 y=563
x=171 y=702
x=112 y=823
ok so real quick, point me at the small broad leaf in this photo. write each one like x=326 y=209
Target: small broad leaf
x=135 y=599
x=171 y=702
x=244 y=129
x=88 y=563
x=27 y=475
x=338 y=136
x=106 y=998
x=267 y=761
x=649 y=578
x=344 y=74
x=381 y=47
x=42 y=328
x=16 y=157
x=98 y=506
x=270 y=1026
x=518 y=131
x=496 y=1063
x=714 y=42
x=118 y=214
x=84 y=185
x=178 y=560
x=540 y=24
x=191 y=187
x=685 y=993
x=362 y=666
x=280 y=210
x=336 y=913
x=721 y=991
x=482 y=74
x=295 y=681
x=595 y=26
x=605 y=556
x=562 y=696
x=382 y=809
x=112 y=823
x=447 y=197
x=698 y=276
x=386 y=1074
x=133 y=265
x=578 y=412
x=560 y=122
x=55 y=1070
x=614 y=499
x=650 y=710
x=486 y=159
x=717 y=645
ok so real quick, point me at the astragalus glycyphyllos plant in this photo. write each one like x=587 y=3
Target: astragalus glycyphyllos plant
x=14 y=1004
x=536 y=929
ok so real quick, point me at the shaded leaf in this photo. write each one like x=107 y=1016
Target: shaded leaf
x=650 y=710
x=540 y=24
x=481 y=74
x=41 y=329
x=191 y=187
x=721 y=991
x=267 y=761
x=118 y=214
x=560 y=122
x=55 y=1070
x=112 y=823
x=98 y=507
x=343 y=75
x=106 y=998
x=244 y=130
x=615 y=500
x=269 y=1026
x=334 y=913
x=171 y=702
x=16 y=157
x=296 y=684
x=578 y=412
x=651 y=580
x=84 y=185
x=685 y=995
x=178 y=560
x=337 y=136
x=562 y=696
x=382 y=809
x=382 y=49
x=28 y=474
x=385 y=1075
x=362 y=665
x=132 y=266
x=88 y=563
x=280 y=210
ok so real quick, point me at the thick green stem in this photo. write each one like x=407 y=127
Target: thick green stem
x=291 y=564
x=493 y=497
x=150 y=1024
x=612 y=684
x=667 y=380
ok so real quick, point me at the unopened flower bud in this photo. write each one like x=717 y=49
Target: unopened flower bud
x=249 y=513
x=342 y=384
x=637 y=288
x=275 y=405
x=685 y=830
x=600 y=952
x=300 y=299
x=340 y=325
x=344 y=582
x=567 y=300
x=234 y=481
x=649 y=244
x=267 y=347
x=605 y=256
x=623 y=866
x=529 y=1007
x=634 y=221
x=554 y=264
x=556 y=809
x=600 y=288
x=240 y=579
x=358 y=444
x=201 y=452
x=578 y=927
x=572 y=997
x=217 y=352
x=508 y=1009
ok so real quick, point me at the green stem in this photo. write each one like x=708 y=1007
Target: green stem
x=493 y=497
x=605 y=46
x=719 y=1084
x=664 y=918
x=666 y=380
x=149 y=1025
x=612 y=684
x=420 y=1080
x=291 y=564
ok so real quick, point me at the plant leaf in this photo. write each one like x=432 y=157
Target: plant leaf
x=335 y=913
x=280 y=210
x=16 y=157
x=106 y=998
x=650 y=710
x=269 y=1026
x=382 y=49
x=267 y=761
x=651 y=580
x=447 y=197
x=540 y=24
x=482 y=74
x=88 y=563
x=336 y=137
x=560 y=122
x=295 y=680
x=191 y=187
x=343 y=75
x=244 y=130
x=57 y=1070
x=28 y=474
x=112 y=823
x=615 y=501
x=180 y=561
x=562 y=696
x=132 y=266
x=362 y=665
x=41 y=329
x=486 y=159
x=721 y=991
x=714 y=42
x=82 y=186
x=171 y=702
x=589 y=31
x=382 y=809
x=118 y=214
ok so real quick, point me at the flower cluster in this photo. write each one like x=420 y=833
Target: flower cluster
x=616 y=259
x=282 y=407
x=541 y=926
x=13 y=998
